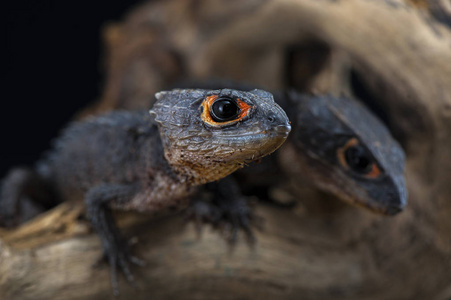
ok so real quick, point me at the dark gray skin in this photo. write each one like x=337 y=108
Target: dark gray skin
x=322 y=125
x=336 y=145
x=149 y=162
x=314 y=153
x=345 y=150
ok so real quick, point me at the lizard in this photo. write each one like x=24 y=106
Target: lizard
x=147 y=162
x=346 y=150
x=339 y=147
x=319 y=123
x=336 y=145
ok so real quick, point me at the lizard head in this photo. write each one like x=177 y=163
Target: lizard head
x=346 y=150
x=208 y=134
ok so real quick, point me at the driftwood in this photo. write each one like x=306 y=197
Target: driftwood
x=391 y=54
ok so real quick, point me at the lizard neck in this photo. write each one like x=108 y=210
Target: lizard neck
x=198 y=169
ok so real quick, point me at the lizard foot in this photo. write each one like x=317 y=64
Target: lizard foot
x=118 y=256
x=236 y=216
x=226 y=216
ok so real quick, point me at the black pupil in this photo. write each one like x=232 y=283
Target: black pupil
x=224 y=110
x=358 y=159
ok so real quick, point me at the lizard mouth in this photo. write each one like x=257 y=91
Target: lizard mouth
x=254 y=143
x=281 y=130
x=277 y=131
x=388 y=200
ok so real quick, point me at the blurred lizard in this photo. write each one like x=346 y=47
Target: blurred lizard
x=336 y=146
x=340 y=147
x=148 y=162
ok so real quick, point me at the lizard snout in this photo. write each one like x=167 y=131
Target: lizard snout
x=281 y=130
x=278 y=123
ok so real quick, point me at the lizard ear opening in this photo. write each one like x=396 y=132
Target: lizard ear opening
x=353 y=156
x=220 y=111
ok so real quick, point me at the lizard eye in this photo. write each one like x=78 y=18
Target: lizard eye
x=353 y=156
x=224 y=109
x=358 y=160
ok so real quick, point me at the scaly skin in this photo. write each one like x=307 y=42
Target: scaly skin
x=345 y=150
x=336 y=145
x=148 y=162
x=326 y=129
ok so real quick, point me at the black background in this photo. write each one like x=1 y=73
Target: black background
x=52 y=67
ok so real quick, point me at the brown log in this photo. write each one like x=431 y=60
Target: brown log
x=403 y=58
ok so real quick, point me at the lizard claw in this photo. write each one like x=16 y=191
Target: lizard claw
x=201 y=212
x=118 y=257
x=235 y=218
x=229 y=217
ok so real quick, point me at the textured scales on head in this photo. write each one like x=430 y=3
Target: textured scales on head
x=349 y=152
x=208 y=134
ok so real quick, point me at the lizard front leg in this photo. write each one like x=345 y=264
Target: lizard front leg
x=116 y=250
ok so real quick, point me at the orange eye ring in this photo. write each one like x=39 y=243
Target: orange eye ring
x=370 y=170
x=206 y=112
x=375 y=171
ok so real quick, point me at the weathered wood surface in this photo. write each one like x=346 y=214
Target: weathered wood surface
x=398 y=52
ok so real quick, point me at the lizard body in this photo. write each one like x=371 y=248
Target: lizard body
x=147 y=162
